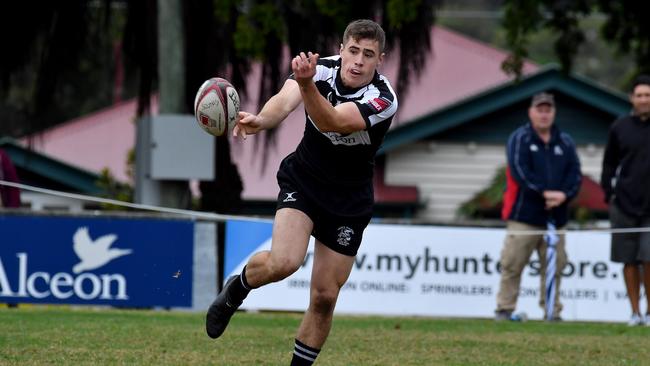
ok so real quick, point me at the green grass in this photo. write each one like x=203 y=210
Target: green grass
x=73 y=336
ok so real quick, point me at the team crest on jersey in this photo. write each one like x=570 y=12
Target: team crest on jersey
x=558 y=150
x=345 y=235
x=534 y=148
x=379 y=104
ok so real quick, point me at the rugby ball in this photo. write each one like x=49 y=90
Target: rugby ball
x=216 y=106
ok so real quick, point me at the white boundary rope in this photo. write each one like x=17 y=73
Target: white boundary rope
x=220 y=217
x=627 y=230
x=195 y=214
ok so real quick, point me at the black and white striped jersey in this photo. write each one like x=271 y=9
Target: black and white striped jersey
x=347 y=159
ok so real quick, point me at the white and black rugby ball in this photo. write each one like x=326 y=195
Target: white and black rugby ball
x=216 y=106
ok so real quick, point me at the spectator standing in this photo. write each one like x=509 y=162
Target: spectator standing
x=543 y=175
x=626 y=182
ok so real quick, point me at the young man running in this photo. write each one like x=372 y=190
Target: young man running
x=325 y=185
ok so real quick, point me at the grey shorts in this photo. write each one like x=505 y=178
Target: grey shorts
x=629 y=247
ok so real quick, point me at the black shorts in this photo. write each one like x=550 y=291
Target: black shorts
x=629 y=247
x=340 y=214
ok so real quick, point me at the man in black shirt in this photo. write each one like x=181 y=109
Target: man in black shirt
x=626 y=182
x=325 y=185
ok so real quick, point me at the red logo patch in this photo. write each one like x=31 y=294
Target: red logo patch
x=205 y=120
x=379 y=104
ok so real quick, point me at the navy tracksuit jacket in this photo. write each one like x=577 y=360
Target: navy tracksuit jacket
x=534 y=167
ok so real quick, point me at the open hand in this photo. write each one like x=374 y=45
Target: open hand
x=247 y=124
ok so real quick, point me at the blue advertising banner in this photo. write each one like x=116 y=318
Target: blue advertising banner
x=243 y=239
x=100 y=261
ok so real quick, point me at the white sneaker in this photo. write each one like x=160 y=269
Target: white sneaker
x=635 y=320
x=646 y=320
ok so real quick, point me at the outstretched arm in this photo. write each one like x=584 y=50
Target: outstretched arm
x=345 y=118
x=274 y=111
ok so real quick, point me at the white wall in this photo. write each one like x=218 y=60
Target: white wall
x=44 y=202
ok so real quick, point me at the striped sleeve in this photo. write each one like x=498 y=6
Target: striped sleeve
x=379 y=103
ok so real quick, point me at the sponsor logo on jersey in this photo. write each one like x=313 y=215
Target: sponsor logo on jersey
x=355 y=138
x=289 y=197
x=379 y=104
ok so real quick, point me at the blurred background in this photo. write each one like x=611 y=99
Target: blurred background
x=77 y=75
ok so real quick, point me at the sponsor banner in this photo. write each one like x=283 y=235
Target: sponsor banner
x=440 y=271
x=101 y=261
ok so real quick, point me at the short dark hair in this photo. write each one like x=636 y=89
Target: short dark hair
x=365 y=29
x=640 y=80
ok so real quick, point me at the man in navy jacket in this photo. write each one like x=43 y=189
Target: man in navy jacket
x=543 y=175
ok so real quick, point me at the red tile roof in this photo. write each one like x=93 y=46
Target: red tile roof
x=95 y=141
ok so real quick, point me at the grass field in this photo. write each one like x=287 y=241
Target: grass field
x=66 y=336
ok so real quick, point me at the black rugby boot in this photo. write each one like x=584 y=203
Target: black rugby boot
x=221 y=310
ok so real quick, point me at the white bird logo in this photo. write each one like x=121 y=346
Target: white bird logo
x=94 y=253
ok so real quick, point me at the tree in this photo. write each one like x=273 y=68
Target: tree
x=59 y=62
x=527 y=16
x=223 y=37
x=625 y=26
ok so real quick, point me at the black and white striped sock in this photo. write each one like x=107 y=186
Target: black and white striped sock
x=303 y=355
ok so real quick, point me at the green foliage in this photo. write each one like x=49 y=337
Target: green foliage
x=596 y=58
x=332 y=8
x=262 y=22
x=487 y=202
x=583 y=215
x=60 y=63
x=114 y=190
x=222 y=9
x=401 y=12
x=521 y=19
x=625 y=26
